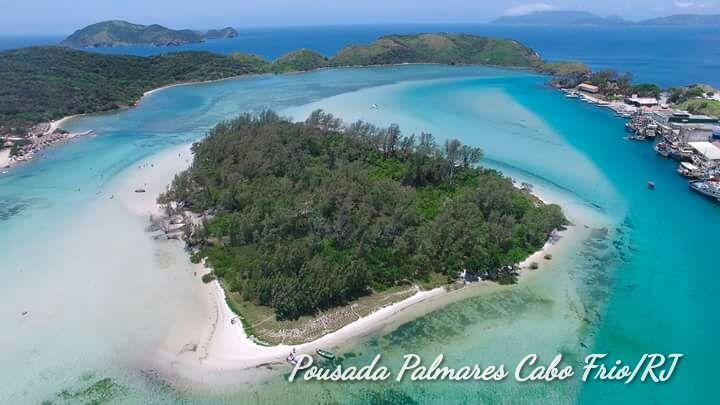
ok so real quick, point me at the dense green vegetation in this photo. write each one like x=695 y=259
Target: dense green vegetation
x=566 y=73
x=702 y=106
x=438 y=48
x=122 y=33
x=300 y=60
x=310 y=215
x=46 y=83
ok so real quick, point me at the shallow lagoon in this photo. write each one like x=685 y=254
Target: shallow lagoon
x=99 y=291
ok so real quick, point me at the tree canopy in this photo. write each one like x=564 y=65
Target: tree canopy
x=305 y=216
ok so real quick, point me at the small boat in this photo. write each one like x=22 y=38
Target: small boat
x=651 y=185
x=326 y=354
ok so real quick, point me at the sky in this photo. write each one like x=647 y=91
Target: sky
x=61 y=17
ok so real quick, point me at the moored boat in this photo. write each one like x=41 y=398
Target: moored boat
x=708 y=188
x=689 y=170
x=326 y=354
x=662 y=149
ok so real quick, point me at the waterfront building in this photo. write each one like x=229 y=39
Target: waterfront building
x=588 y=88
x=708 y=152
x=641 y=101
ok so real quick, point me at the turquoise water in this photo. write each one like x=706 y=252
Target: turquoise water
x=646 y=285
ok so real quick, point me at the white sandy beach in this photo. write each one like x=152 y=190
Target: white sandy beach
x=4 y=158
x=218 y=351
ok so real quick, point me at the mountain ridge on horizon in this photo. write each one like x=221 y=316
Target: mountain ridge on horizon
x=573 y=17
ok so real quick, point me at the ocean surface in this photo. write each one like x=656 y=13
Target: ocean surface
x=669 y=56
x=86 y=292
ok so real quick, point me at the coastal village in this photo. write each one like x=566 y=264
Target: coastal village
x=19 y=149
x=693 y=140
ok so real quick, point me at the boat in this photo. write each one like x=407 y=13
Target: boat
x=572 y=94
x=689 y=170
x=326 y=354
x=662 y=149
x=140 y=190
x=291 y=359
x=708 y=188
x=651 y=185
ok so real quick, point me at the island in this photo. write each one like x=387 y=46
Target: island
x=560 y=17
x=43 y=84
x=122 y=33
x=298 y=218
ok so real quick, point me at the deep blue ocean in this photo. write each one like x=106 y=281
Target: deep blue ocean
x=669 y=56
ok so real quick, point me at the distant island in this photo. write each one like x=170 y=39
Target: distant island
x=122 y=33
x=578 y=18
x=561 y=17
x=685 y=19
x=338 y=212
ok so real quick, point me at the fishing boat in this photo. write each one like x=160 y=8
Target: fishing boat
x=689 y=170
x=708 y=188
x=662 y=149
x=326 y=354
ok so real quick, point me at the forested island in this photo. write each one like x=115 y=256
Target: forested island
x=305 y=216
x=122 y=33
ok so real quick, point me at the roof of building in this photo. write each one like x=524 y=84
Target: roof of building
x=588 y=86
x=706 y=149
x=643 y=100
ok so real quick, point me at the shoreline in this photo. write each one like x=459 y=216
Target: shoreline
x=219 y=352
x=57 y=124
x=228 y=355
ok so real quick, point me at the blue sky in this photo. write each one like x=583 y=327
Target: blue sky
x=64 y=16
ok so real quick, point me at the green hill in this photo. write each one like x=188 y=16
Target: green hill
x=45 y=83
x=300 y=60
x=227 y=32
x=122 y=33
x=438 y=48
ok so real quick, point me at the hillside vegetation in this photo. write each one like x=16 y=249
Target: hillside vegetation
x=438 y=48
x=46 y=83
x=306 y=216
x=122 y=33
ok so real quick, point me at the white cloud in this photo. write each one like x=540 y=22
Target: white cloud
x=692 y=4
x=528 y=8
x=684 y=4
